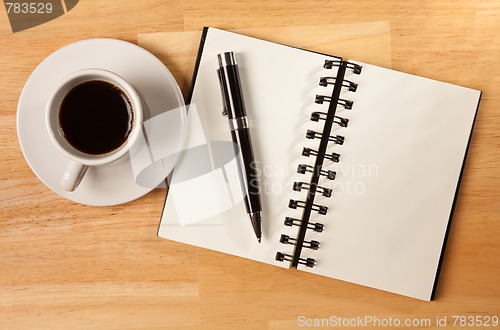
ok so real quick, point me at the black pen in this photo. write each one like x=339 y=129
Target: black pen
x=234 y=108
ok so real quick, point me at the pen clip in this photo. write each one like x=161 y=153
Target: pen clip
x=221 y=83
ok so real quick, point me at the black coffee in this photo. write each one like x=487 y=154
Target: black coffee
x=96 y=117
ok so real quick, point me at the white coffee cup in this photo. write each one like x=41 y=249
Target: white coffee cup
x=79 y=161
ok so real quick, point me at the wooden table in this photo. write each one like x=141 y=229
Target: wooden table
x=66 y=265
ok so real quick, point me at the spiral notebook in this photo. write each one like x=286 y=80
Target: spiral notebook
x=359 y=165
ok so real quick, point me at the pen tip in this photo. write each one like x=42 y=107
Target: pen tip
x=256 y=224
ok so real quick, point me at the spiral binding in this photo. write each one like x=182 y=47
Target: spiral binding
x=298 y=186
x=303 y=168
x=324 y=98
x=312 y=244
x=321 y=209
x=317 y=227
x=325 y=81
x=325 y=137
x=317 y=116
x=356 y=68
x=334 y=157
x=309 y=262
x=310 y=134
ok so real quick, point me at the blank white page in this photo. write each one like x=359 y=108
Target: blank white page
x=396 y=181
x=279 y=85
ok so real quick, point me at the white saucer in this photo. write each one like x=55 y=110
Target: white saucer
x=103 y=185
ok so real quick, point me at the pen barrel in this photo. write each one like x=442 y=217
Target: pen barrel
x=248 y=169
x=234 y=103
x=234 y=107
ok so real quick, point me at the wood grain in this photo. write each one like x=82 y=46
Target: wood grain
x=65 y=265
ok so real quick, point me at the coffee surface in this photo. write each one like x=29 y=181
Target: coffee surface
x=96 y=117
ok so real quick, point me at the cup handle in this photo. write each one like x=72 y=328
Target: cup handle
x=73 y=175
